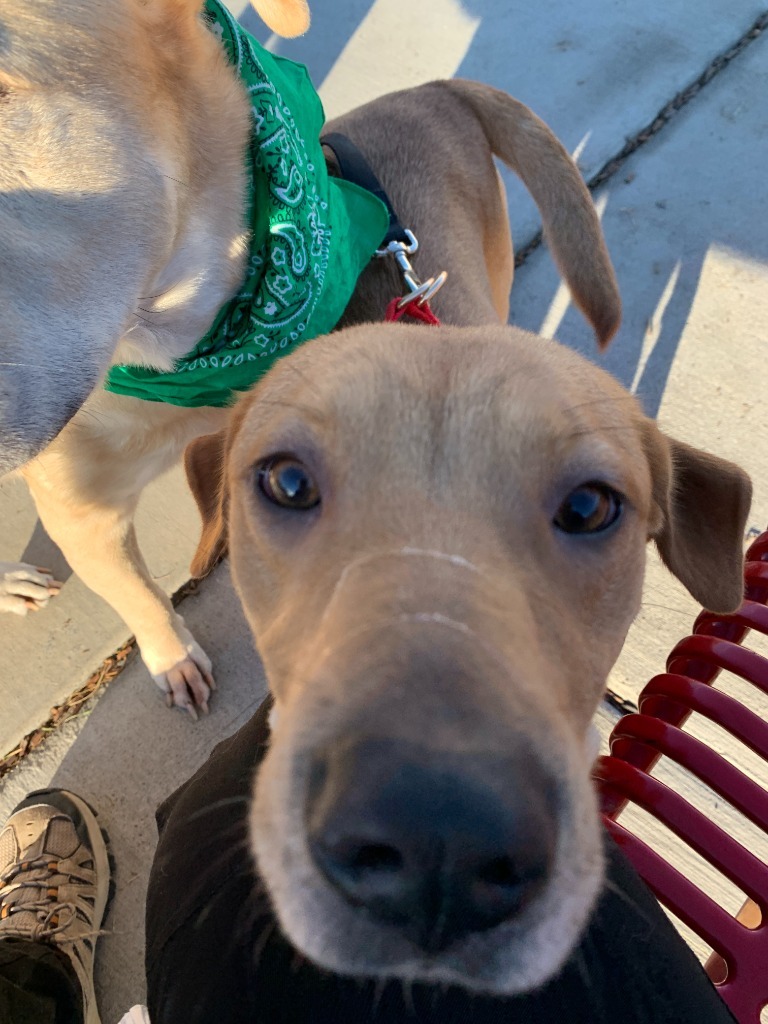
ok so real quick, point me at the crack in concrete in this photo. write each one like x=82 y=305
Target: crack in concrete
x=660 y=121
x=78 y=703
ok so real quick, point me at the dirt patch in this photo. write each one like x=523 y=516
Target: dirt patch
x=76 y=704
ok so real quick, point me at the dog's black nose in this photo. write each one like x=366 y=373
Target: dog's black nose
x=438 y=845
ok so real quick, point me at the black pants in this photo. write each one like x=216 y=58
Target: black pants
x=216 y=956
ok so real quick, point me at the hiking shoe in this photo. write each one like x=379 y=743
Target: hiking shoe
x=54 y=885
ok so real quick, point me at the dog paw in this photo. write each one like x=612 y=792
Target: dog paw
x=188 y=682
x=25 y=588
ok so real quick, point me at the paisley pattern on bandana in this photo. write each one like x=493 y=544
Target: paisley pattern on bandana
x=311 y=237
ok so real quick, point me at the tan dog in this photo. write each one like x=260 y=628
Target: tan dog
x=122 y=134
x=438 y=536
x=122 y=219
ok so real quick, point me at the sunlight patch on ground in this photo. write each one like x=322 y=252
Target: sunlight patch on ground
x=654 y=325
x=237 y=7
x=394 y=30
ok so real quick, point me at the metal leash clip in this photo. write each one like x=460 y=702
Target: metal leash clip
x=420 y=291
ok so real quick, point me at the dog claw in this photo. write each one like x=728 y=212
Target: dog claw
x=188 y=684
x=25 y=588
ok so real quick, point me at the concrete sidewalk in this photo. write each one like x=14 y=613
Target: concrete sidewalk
x=685 y=221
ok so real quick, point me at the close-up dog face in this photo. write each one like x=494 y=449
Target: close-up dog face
x=439 y=542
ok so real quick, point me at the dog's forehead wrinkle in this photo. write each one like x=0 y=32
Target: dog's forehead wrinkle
x=300 y=410
x=404 y=552
x=393 y=579
x=273 y=416
x=452 y=408
x=293 y=368
x=605 y=400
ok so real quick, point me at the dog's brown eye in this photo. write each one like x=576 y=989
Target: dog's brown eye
x=287 y=482
x=589 y=509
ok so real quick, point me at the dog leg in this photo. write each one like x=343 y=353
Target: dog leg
x=99 y=542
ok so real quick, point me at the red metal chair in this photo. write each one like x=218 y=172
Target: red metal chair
x=637 y=742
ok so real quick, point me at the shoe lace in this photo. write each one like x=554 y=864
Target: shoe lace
x=47 y=907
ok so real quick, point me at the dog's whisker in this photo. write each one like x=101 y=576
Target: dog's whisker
x=247 y=918
x=252 y=911
x=617 y=891
x=261 y=943
x=242 y=923
x=589 y=431
x=227 y=801
x=232 y=830
x=583 y=969
x=603 y=400
x=258 y=908
x=410 y=1006
x=205 y=912
x=681 y=612
x=297 y=962
x=216 y=866
x=236 y=847
x=439 y=991
x=378 y=992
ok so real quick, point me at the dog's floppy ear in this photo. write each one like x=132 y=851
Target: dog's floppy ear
x=204 y=461
x=286 y=18
x=702 y=507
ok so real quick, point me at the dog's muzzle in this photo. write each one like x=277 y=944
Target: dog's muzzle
x=419 y=841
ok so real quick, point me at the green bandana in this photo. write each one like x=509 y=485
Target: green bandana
x=311 y=237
